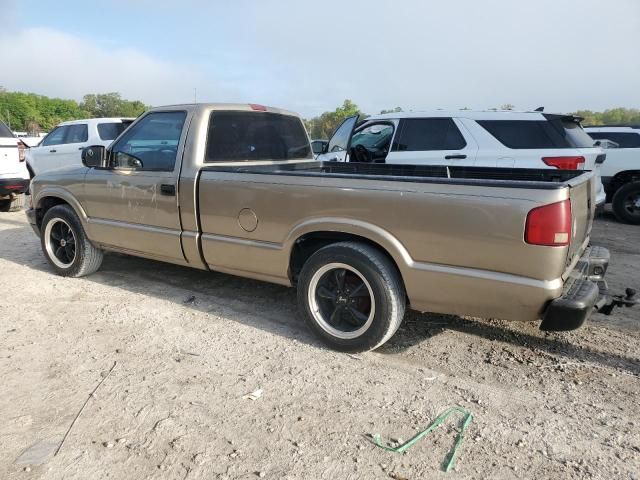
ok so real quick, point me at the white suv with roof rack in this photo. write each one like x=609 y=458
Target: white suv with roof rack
x=621 y=171
x=469 y=138
x=63 y=146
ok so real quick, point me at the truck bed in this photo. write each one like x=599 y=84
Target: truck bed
x=455 y=175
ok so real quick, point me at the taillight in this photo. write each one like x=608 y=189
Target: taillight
x=564 y=163
x=22 y=151
x=549 y=225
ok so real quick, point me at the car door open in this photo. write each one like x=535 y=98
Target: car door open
x=337 y=149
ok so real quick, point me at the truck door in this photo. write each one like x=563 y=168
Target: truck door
x=339 y=143
x=133 y=204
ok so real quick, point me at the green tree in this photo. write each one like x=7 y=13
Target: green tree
x=612 y=115
x=111 y=105
x=30 y=112
x=393 y=110
x=324 y=125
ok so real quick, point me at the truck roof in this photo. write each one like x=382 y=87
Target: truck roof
x=243 y=107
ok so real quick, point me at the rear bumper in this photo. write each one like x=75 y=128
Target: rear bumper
x=573 y=308
x=585 y=291
x=13 y=185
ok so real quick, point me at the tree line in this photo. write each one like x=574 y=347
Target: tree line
x=34 y=113
x=37 y=113
x=322 y=126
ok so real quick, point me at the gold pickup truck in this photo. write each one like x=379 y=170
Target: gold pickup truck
x=235 y=189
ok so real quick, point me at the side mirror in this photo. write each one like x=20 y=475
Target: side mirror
x=94 y=156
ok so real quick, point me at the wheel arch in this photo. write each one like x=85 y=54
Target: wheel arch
x=50 y=198
x=622 y=178
x=311 y=236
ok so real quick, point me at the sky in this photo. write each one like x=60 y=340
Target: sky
x=308 y=57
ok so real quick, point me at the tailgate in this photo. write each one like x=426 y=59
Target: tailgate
x=9 y=160
x=583 y=202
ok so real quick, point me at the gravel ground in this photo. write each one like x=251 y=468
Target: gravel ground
x=189 y=345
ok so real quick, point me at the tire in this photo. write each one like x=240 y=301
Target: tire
x=351 y=295
x=5 y=205
x=17 y=204
x=77 y=261
x=626 y=203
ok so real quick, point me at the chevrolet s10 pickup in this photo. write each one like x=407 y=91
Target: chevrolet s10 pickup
x=235 y=189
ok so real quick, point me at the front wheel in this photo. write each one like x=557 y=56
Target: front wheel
x=66 y=245
x=626 y=203
x=351 y=296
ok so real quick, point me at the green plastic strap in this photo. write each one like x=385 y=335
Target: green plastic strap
x=435 y=424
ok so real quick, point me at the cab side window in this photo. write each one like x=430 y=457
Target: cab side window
x=151 y=144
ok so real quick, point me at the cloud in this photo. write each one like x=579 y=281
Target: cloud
x=564 y=55
x=423 y=55
x=53 y=63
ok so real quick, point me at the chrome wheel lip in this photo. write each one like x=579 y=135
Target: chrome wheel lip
x=315 y=307
x=49 y=245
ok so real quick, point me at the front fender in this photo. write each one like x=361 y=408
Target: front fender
x=53 y=191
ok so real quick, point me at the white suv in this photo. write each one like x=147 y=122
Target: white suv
x=63 y=146
x=14 y=177
x=621 y=171
x=466 y=138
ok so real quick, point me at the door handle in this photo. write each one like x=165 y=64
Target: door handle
x=52 y=151
x=167 y=189
x=455 y=157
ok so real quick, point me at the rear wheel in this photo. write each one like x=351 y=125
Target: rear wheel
x=626 y=203
x=65 y=244
x=351 y=296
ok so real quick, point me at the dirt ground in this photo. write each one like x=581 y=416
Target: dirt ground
x=544 y=405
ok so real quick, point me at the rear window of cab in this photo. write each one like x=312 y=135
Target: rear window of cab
x=237 y=136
